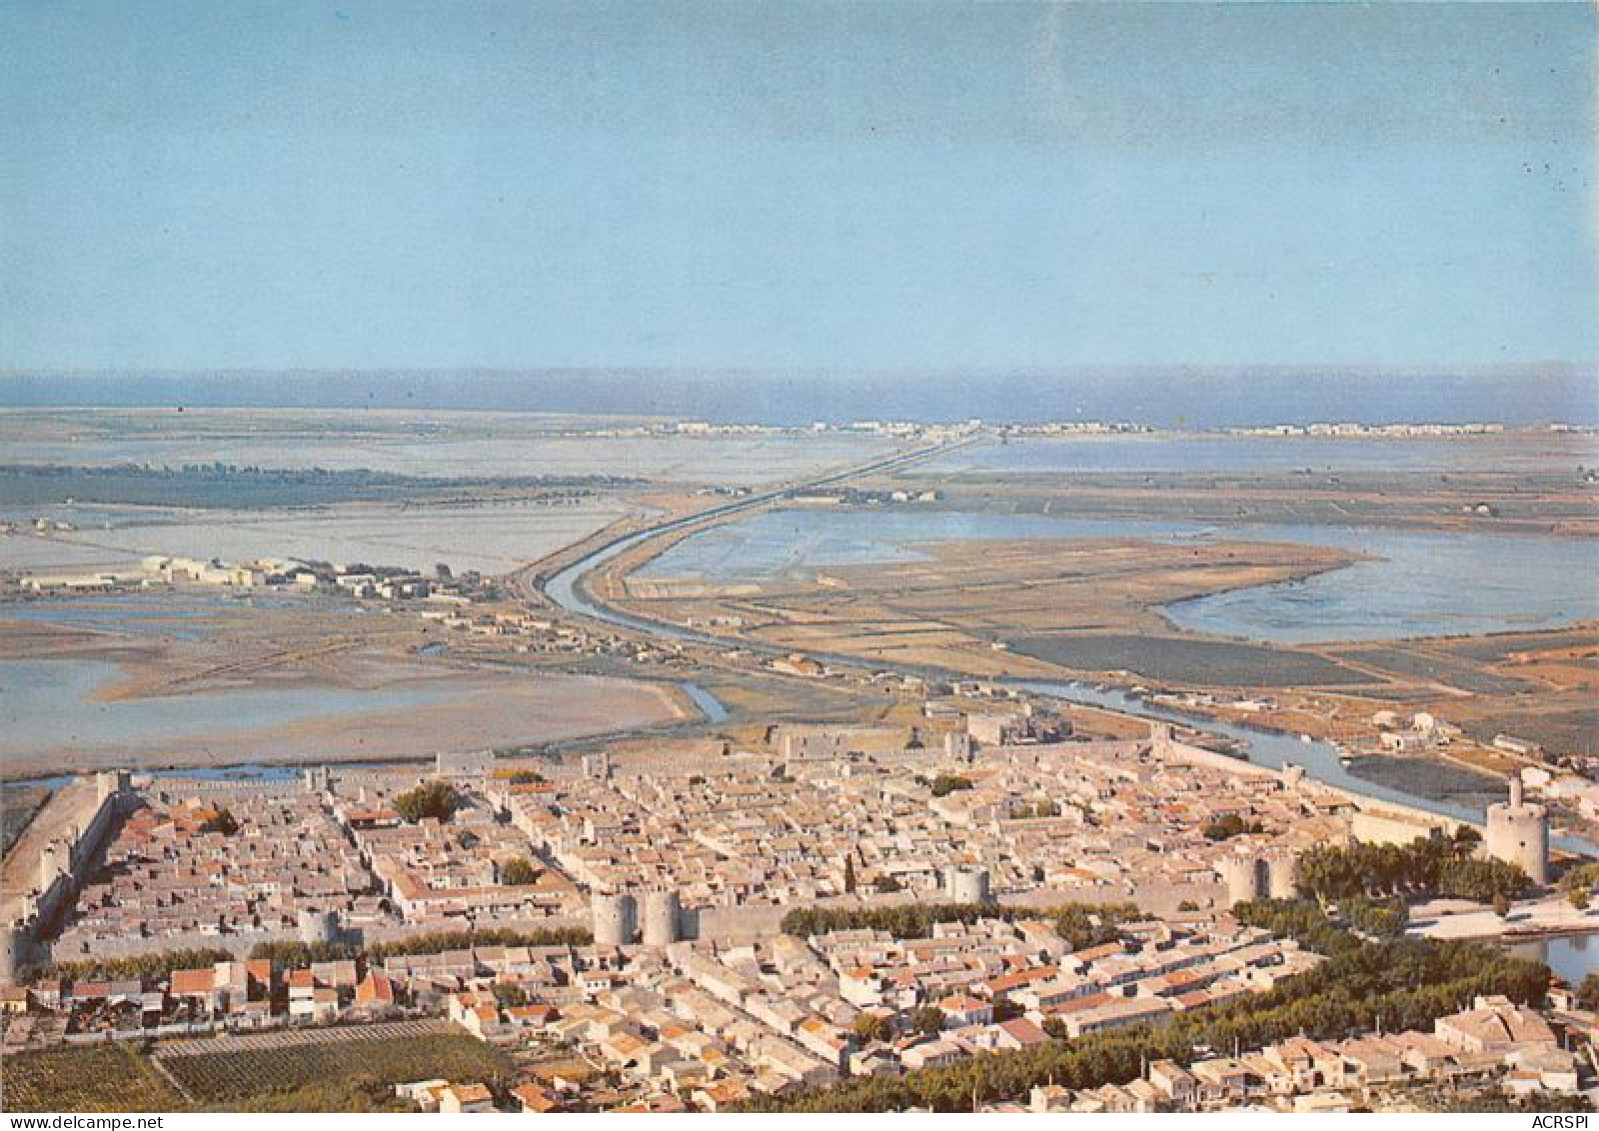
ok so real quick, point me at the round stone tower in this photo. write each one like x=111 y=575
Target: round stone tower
x=318 y=926
x=1245 y=876
x=1518 y=833
x=967 y=883
x=1282 y=875
x=14 y=949
x=662 y=917
x=615 y=918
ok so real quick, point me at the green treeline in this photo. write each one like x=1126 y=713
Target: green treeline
x=294 y=953
x=1427 y=866
x=1304 y=921
x=1080 y=924
x=156 y=965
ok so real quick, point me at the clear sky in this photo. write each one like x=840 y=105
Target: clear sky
x=881 y=186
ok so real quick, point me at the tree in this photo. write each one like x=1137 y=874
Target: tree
x=1502 y=905
x=1006 y=1010
x=222 y=822
x=1578 y=898
x=1084 y=925
x=1483 y=880
x=888 y=885
x=849 y=875
x=870 y=1027
x=509 y=994
x=1381 y=918
x=435 y=799
x=928 y=1020
x=1588 y=992
x=516 y=871
x=1228 y=826
x=1033 y=810
x=945 y=784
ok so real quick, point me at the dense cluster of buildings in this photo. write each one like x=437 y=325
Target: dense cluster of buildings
x=1352 y=428
x=1492 y=1046
x=690 y=993
x=386 y=583
x=1076 y=820
x=705 y=1025
x=186 y=870
x=731 y=837
x=734 y=1019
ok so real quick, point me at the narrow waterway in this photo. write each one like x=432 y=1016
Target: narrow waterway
x=1320 y=760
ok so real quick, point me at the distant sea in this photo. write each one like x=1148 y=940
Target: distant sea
x=1191 y=398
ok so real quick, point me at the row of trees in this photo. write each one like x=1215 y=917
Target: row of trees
x=290 y=952
x=1080 y=924
x=1302 y=920
x=1401 y=983
x=1427 y=866
x=157 y=964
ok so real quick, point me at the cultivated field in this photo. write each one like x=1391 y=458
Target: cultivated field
x=239 y=1071
x=1185 y=661
x=110 y=1077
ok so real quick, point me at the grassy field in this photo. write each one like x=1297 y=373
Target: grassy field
x=1205 y=663
x=257 y=1071
x=1439 y=669
x=1573 y=731
x=1500 y=646
x=91 y=1078
x=1431 y=778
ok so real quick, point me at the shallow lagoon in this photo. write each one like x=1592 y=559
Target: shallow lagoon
x=46 y=704
x=1418 y=584
x=490 y=537
x=1571 y=957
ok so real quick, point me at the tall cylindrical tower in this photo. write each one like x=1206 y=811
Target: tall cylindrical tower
x=967 y=883
x=1518 y=833
x=615 y=918
x=1244 y=876
x=14 y=947
x=662 y=915
x=318 y=926
x=1282 y=875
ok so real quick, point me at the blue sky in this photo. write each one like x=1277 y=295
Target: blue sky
x=871 y=186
